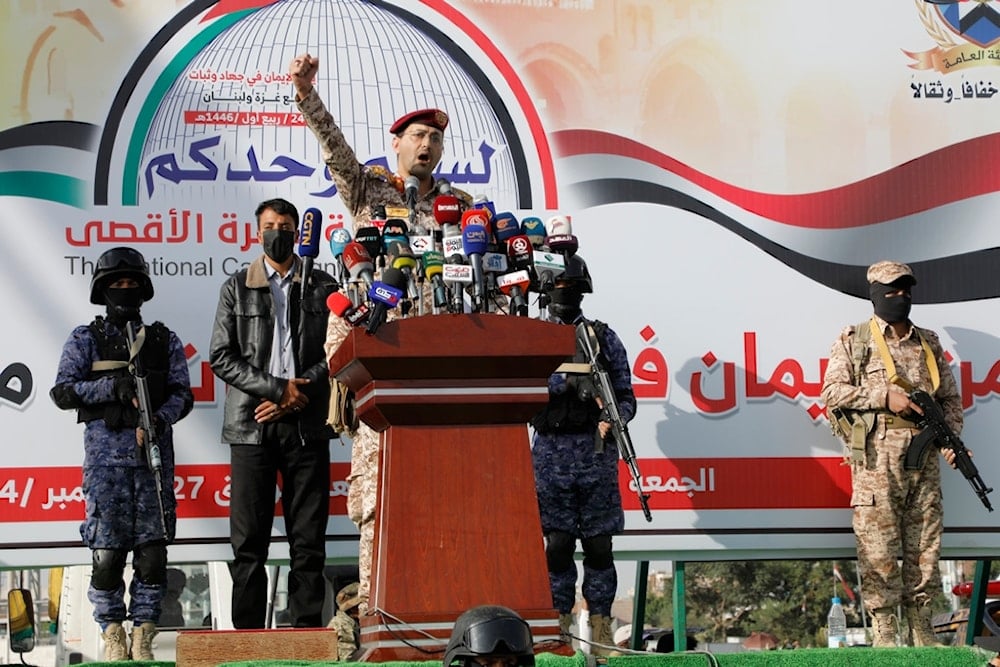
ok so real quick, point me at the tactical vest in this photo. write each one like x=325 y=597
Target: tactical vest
x=853 y=426
x=567 y=412
x=155 y=357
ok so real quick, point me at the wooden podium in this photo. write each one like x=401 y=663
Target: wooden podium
x=457 y=520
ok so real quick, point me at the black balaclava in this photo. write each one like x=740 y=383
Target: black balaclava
x=123 y=304
x=278 y=244
x=565 y=302
x=894 y=308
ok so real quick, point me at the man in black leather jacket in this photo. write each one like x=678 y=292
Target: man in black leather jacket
x=267 y=345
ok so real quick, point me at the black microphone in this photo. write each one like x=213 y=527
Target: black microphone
x=371 y=239
x=309 y=235
x=385 y=295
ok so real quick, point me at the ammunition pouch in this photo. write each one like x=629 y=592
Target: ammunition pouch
x=341 y=416
x=853 y=427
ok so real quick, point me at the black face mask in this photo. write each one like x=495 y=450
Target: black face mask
x=123 y=304
x=565 y=303
x=890 y=308
x=278 y=244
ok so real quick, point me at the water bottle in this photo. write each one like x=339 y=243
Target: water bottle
x=836 y=626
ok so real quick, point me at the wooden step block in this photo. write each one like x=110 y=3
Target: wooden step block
x=207 y=648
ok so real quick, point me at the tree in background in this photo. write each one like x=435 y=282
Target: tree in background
x=789 y=599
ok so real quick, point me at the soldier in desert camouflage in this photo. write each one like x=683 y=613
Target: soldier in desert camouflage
x=897 y=512
x=418 y=140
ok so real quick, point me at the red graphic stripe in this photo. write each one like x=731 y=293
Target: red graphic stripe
x=951 y=174
x=740 y=484
x=224 y=7
x=538 y=135
x=202 y=491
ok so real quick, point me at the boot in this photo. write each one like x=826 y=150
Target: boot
x=884 y=625
x=921 y=630
x=601 y=636
x=115 y=648
x=142 y=641
x=565 y=621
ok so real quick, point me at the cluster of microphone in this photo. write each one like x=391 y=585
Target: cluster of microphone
x=478 y=260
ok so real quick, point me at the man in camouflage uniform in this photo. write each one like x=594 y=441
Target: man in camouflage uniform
x=345 y=621
x=419 y=142
x=896 y=511
x=576 y=467
x=122 y=510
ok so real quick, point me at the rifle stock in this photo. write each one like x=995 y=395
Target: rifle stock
x=151 y=441
x=587 y=343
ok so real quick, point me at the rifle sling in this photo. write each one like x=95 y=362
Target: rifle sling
x=890 y=367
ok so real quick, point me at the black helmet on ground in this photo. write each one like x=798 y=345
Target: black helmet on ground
x=119 y=263
x=490 y=630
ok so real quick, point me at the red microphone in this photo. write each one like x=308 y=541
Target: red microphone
x=447 y=210
x=338 y=303
x=515 y=285
x=341 y=306
x=476 y=216
x=358 y=263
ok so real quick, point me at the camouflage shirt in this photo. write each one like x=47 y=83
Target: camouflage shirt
x=868 y=392
x=104 y=446
x=360 y=186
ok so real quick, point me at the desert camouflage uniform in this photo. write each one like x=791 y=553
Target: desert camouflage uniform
x=122 y=513
x=347 y=634
x=361 y=188
x=577 y=486
x=896 y=511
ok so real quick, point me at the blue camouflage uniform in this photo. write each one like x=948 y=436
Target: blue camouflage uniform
x=122 y=513
x=576 y=479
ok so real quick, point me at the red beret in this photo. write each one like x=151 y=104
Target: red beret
x=432 y=117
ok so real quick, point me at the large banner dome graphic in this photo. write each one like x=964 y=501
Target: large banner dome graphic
x=219 y=118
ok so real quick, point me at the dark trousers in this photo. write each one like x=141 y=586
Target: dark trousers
x=305 y=501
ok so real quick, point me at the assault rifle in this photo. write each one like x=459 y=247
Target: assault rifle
x=586 y=341
x=151 y=439
x=935 y=431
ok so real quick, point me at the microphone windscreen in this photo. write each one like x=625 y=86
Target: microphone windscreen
x=475 y=216
x=339 y=239
x=534 y=229
x=338 y=303
x=475 y=241
x=356 y=259
x=310 y=231
x=558 y=224
x=395 y=277
x=505 y=225
x=447 y=209
x=370 y=239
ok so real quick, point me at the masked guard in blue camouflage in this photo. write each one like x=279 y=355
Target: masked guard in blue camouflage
x=122 y=510
x=576 y=467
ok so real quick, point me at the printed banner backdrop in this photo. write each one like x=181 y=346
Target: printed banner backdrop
x=730 y=169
